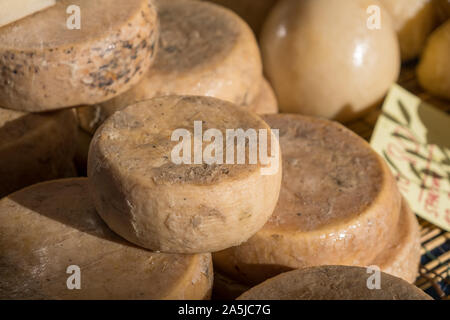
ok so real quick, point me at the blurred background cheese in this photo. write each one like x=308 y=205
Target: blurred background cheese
x=433 y=71
x=46 y=66
x=339 y=204
x=413 y=20
x=35 y=147
x=50 y=226
x=18 y=9
x=253 y=12
x=323 y=60
x=333 y=283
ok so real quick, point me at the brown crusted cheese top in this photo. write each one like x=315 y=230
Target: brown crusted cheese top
x=48 y=29
x=333 y=283
x=193 y=33
x=137 y=139
x=329 y=173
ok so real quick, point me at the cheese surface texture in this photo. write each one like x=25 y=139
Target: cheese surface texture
x=48 y=227
x=16 y=10
x=333 y=283
x=204 y=50
x=144 y=196
x=35 y=147
x=339 y=204
x=335 y=70
x=45 y=65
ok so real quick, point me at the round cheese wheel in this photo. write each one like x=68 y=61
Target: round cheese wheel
x=401 y=256
x=45 y=65
x=253 y=12
x=433 y=71
x=265 y=102
x=337 y=204
x=35 y=147
x=413 y=20
x=194 y=206
x=49 y=227
x=333 y=283
x=204 y=50
x=323 y=60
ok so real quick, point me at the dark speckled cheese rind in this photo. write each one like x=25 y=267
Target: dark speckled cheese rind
x=45 y=66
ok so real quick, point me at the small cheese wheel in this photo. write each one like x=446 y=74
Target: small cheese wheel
x=50 y=226
x=35 y=147
x=253 y=12
x=333 y=283
x=204 y=50
x=265 y=102
x=339 y=204
x=413 y=20
x=323 y=60
x=433 y=71
x=180 y=208
x=225 y=288
x=46 y=65
x=401 y=256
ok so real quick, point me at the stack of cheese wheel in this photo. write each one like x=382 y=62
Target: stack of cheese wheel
x=204 y=50
x=338 y=204
x=45 y=66
x=334 y=283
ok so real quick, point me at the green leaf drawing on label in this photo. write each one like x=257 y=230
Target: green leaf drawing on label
x=399 y=135
x=415 y=171
x=404 y=112
x=432 y=173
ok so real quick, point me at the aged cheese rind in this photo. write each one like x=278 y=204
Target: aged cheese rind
x=16 y=10
x=35 y=147
x=49 y=226
x=204 y=50
x=333 y=70
x=339 y=204
x=146 y=198
x=413 y=20
x=333 y=283
x=225 y=288
x=402 y=255
x=433 y=71
x=46 y=66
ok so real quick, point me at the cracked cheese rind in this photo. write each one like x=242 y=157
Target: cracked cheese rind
x=338 y=204
x=151 y=201
x=35 y=147
x=46 y=66
x=333 y=283
x=49 y=226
